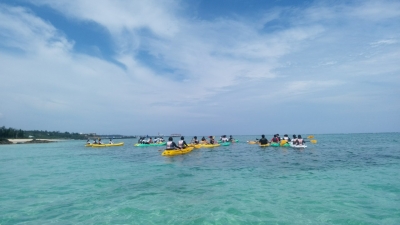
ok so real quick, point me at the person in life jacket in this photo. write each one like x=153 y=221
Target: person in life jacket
x=294 y=140
x=300 y=140
x=100 y=141
x=212 y=141
x=231 y=138
x=194 y=140
x=275 y=139
x=111 y=141
x=182 y=143
x=279 y=138
x=171 y=144
x=150 y=141
x=224 y=138
x=142 y=140
x=286 y=137
x=263 y=140
x=203 y=139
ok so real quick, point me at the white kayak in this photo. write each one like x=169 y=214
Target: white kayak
x=298 y=146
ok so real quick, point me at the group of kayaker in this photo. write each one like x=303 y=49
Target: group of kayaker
x=98 y=141
x=145 y=140
x=297 y=140
x=211 y=140
x=182 y=143
x=172 y=145
x=223 y=138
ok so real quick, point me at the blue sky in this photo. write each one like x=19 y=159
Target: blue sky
x=200 y=67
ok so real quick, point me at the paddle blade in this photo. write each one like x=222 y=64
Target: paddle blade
x=313 y=141
x=283 y=142
x=311 y=136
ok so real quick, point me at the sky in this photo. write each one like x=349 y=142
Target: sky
x=200 y=67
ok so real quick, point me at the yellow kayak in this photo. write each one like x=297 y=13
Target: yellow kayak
x=195 y=146
x=283 y=142
x=173 y=152
x=209 y=145
x=107 y=145
x=266 y=145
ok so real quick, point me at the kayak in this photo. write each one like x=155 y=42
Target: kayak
x=209 y=145
x=274 y=144
x=283 y=142
x=225 y=143
x=236 y=140
x=266 y=145
x=107 y=145
x=151 y=144
x=298 y=146
x=173 y=152
x=195 y=146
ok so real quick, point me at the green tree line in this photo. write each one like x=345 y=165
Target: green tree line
x=18 y=133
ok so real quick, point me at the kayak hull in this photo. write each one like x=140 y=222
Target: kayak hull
x=236 y=140
x=148 y=145
x=195 y=146
x=266 y=145
x=298 y=146
x=106 y=145
x=173 y=152
x=209 y=145
x=274 y=144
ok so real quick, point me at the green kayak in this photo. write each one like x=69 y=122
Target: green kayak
x=152 y=144
x=232 y=141
x=274 y=144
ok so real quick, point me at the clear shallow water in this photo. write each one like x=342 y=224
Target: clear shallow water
x=344 y=179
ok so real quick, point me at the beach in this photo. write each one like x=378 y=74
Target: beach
x=24 y=140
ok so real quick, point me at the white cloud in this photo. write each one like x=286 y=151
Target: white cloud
x=197 y=65
x=23 y=30
x=384 y=42
x=376 y=10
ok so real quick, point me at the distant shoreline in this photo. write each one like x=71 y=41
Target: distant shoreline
x=28 y=140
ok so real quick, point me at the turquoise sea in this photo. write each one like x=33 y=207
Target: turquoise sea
x=343 y=179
